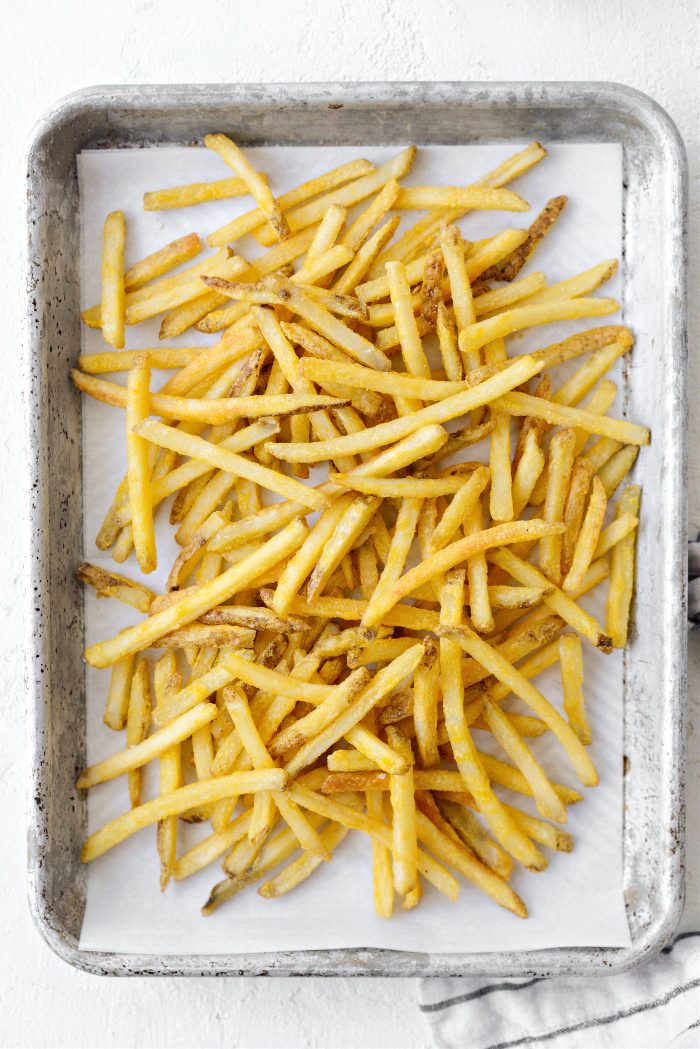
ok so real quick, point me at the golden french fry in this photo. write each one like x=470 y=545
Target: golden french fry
x=515 y=374
x=588 y=537
x=561 y=414
x=133 y=639
x=194 y=794
x=350 y=194
x=522 y=317
x=511 y=266
x=112 y=313
x=256 y=184
x=210 y=412
x=622 y=571
x=481 y=198
x=140 y=752
x=493 y=661
x=403 y=807
x=571 y=664
x=504 y=731
x=194 y=193
x=139 y=467
x=561 y=459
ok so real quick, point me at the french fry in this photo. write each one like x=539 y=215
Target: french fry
x=511 y=266
x=157 y=298
x=357 y=269
x=612 y=474
x=141 y=751
x=560 y=414
x=256 y=184
x=584 y=379
x=382 y=874
x=349 y=527
x=481 y=198
x=622 y=571
x=350 y=194
x=571 y=664
x=558 y=601
x=477 y=335
x=167 y=258
x=527 y=473
x=581 y=284
x=615 y=531
x=515 y=374
x=111 y=584
x=252 y=220
x=433 y=871
x=501 y=496
x=447 y=341
x=466 y=863
x=403 y=807
x=309 y=726
x=588 y=537
x=193 y=193
x=475 y=837
x=559 y=467
x=166 y=681
x=230 y=462
x=581 y=476
x=211 y=412
x=188 y=797
x=453 y=554
x=392 y=383
x=133 y=639
x=493 y=661
x=137 y=721
x=112 y=313
x=124 y=360
x=139 y=467
x=118 y=694
x=548 y=803
x=401 y=541
x=463 y=747
x=383 y=682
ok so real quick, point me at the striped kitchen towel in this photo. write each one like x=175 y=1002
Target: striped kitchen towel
x=649 y=1007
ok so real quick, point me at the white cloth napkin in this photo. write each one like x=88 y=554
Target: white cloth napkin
x=654 y=1005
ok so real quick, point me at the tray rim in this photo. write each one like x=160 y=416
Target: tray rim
x=613 y=97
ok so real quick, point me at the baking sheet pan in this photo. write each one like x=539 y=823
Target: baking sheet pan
x=654 y=691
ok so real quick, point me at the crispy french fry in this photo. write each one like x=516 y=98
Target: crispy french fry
x=561 y=458
x=210 y=412
x=560 y=414
x=588 y=537
x=139 y=467
x=194 y=794
x=482 y=198
x=112 y=313
x=350 y=194
x=511 y=266
x=504 y=731
x=256 y=184
x=403 y=807
x=133 y=639
x=490 y=658
x=622 y=571
x=515 y=374
x=193 y=193
x=477 y=335
x=571 y=665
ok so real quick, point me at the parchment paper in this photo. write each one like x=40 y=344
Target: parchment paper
x=578 y=901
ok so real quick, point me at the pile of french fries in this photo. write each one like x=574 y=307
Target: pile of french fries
x=325 y=653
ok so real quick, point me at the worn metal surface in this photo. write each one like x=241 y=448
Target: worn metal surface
x=654 y=302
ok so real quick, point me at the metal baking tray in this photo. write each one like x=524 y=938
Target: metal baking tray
x=654 y=204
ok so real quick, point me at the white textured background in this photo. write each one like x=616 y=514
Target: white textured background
x=49 y=49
